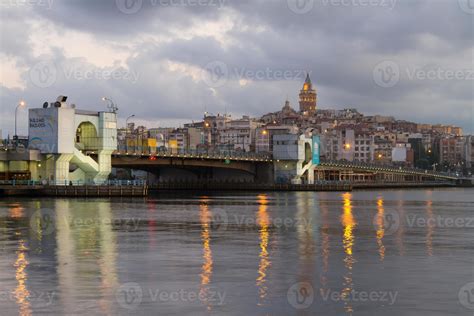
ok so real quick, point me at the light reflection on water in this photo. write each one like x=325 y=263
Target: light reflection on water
x=264 y=235
x=206 y=273
x=61 y=256
x=380 y=227
x=349 y=224
x=21 y=291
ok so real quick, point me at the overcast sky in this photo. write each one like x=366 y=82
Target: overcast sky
x=168 y=61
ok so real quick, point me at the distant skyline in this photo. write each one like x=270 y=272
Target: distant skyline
x=169 y=61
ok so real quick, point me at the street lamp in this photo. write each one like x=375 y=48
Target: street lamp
x=20 y=104
x=110 y=104
x=126 y=131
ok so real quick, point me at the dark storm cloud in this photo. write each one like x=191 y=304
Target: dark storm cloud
x=339 y=43
x=105 y=18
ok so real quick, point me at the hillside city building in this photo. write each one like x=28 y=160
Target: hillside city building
x=344 y=134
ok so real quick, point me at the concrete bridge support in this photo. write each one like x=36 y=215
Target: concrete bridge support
x=264 y=173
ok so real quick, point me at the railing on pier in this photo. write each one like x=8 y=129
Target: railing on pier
x=72 y=183
x=78 y=189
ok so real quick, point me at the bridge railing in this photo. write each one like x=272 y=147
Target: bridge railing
x=389 y=167
x=211 y=154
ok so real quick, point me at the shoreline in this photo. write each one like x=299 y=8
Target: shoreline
x=143 y=191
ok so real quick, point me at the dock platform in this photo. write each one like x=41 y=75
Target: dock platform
x=107 y=190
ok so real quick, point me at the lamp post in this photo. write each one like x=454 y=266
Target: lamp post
x=110 y=104
x=20 y=104
x=126 y=131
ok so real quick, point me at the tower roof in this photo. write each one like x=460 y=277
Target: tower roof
x=308 y=79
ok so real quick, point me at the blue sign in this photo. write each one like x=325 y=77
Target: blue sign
x=316 y=146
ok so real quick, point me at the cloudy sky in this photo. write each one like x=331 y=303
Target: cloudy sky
x=168 y=61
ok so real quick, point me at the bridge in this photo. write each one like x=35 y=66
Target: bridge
x=361 y=172
x=198 y=165
x=67 y=145
x=260 y=168
x=240 y=167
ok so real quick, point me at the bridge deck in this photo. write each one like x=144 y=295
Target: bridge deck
x=209 y=156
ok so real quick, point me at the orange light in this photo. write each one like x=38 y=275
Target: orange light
x=265 y=132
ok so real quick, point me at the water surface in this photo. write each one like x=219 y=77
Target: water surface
x=405 y=252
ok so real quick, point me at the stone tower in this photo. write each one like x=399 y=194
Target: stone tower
x=308 y=98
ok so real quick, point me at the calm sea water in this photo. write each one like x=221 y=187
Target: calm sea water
x=407 y=252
